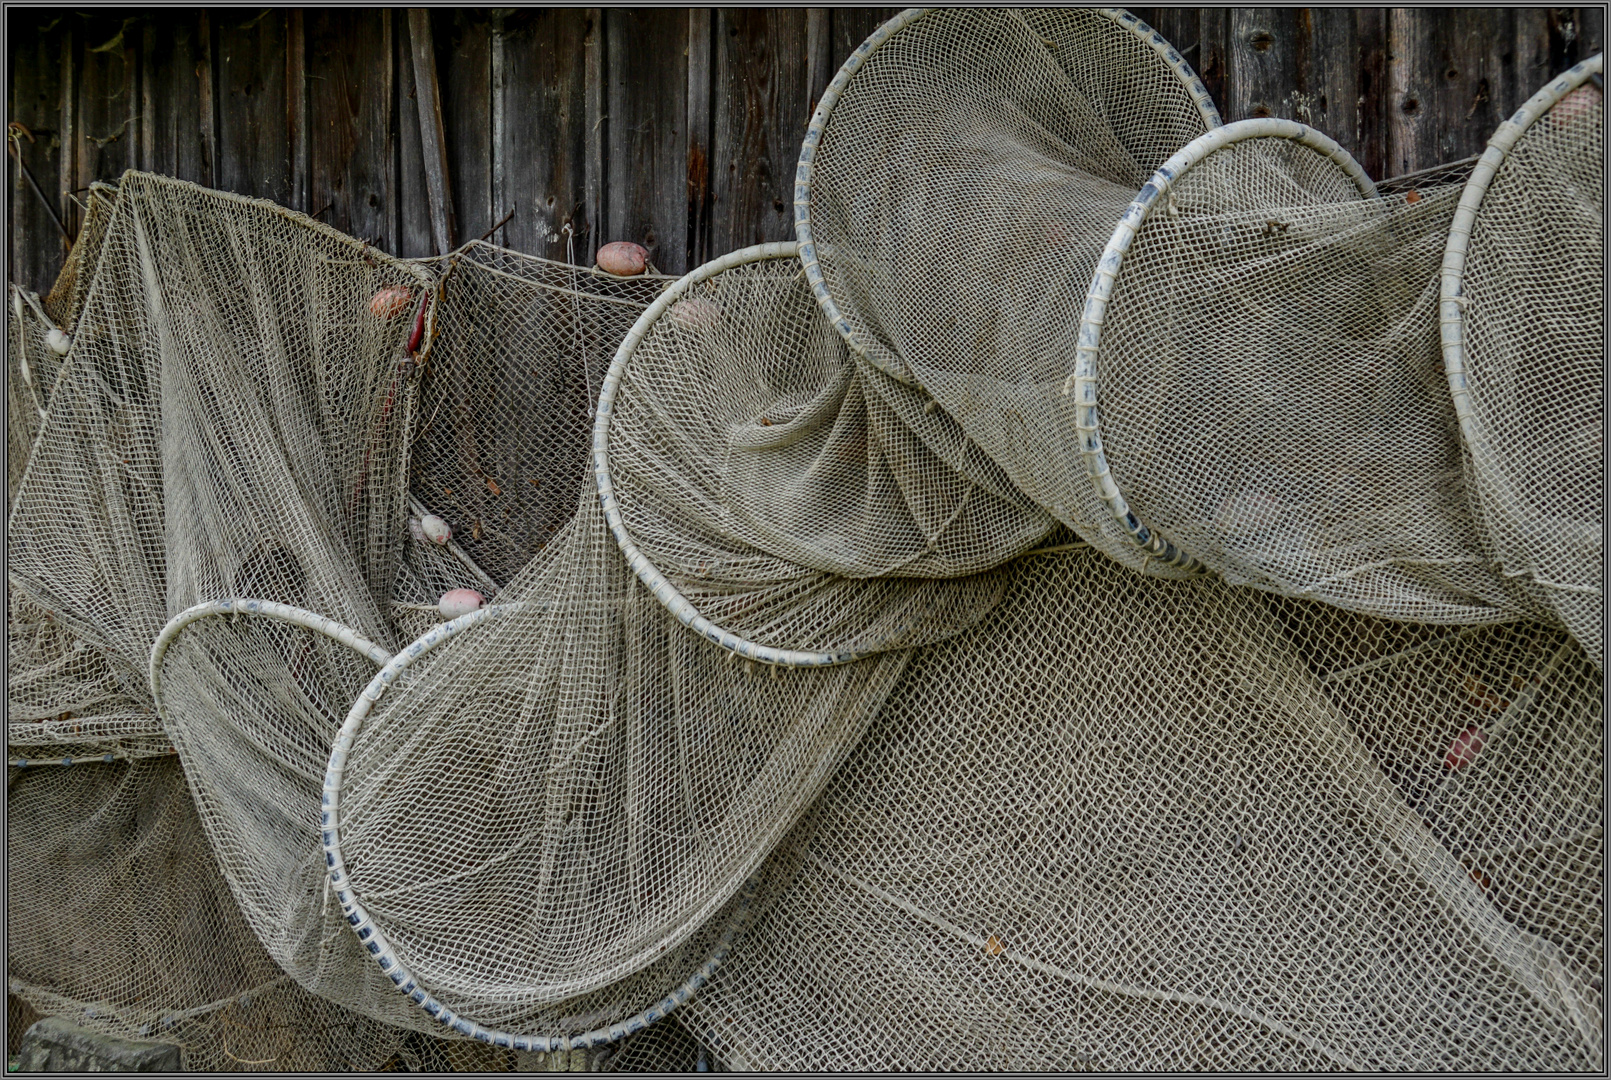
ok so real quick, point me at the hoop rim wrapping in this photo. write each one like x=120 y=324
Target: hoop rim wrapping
x=1451 y=300
x=374 y=941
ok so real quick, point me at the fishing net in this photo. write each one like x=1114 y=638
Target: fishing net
x=32 y=359
x=671 y=767
x=1168 y=836
x=801 y=712
x=1523 y=311
x=118 y=920
x=1261 y=349
x=956 y=186
x=227 y=423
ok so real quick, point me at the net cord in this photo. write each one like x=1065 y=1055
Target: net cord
x=1082 y=383
x=830 y=98
x=1451 y=304
x=374 y=941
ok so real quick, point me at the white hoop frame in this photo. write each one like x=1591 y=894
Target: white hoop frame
x=647 y=572
x=1082 y=384
x=375 y=943
x=1451 y=305
x=830 y=99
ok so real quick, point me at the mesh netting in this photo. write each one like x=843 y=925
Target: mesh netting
x=32 y=358
x=802 y=698
x=117 y=919
x=1268 y=378
x=957 y=185
x=1184 y=849
x=1525 y=347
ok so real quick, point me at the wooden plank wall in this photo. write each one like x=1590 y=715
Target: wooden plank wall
x=674 y=127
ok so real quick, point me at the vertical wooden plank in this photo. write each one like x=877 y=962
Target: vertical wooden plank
x=1548 y=41
x=464 y=51
x=432 y=143
x=36 y=247
x=411 y=205
x=108 y=99
x=67 y=175
x=173 y=90
x=296 y=110
x=541 y=129
x=1301 y=64
x=761 y=107
x=1373 y=98
x=1213 y=67
x=701 y=86
x=1589 y=30
x=351 y=147
x=1451 y=72
x=1262 y=55
x=207 y=81
x=819 y=55
x=254 y=148
x=595 y=166
x=646 y=102
x=849 y=27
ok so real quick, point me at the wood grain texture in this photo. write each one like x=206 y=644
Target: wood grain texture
x=540 y=145
x=849 y=27
x=701 y=88
x=762 y=106
x=1451 y=74
x=432 y=143
x=37 y=249
x=416 y=233
x=108 y=134
x=464 y=50
x=646 y=132
x=351 y=86
x=254 y=147
x=676 y=128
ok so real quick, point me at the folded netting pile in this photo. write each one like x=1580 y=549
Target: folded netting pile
x=228 y=422
x=882 y=687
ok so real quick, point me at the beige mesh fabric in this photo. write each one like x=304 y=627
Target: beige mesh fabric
x=1532 y=326
x=117 y=920
x=1054 y=814
x=31 y=364
x=506 y=403
x=962 y=184
x=1271 y=389
x=1126 y=824
x=588 y=754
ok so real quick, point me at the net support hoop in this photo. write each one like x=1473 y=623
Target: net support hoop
x=375 y=943
x=1082 y=384
x=836 y=88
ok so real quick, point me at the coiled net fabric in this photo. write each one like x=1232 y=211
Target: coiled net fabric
x=1007 y=802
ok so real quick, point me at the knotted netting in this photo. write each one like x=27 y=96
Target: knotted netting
x=1259 y=382
x=798 y=712
x=1524 y=346
x=227 y=423
x=955 y=188
x=33 y=354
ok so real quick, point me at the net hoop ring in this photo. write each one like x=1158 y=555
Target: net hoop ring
x=1082 y=384
x=647 y=572
x=374 y=941
x=1451 y=302
x=836 y=88
x=267 y=609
